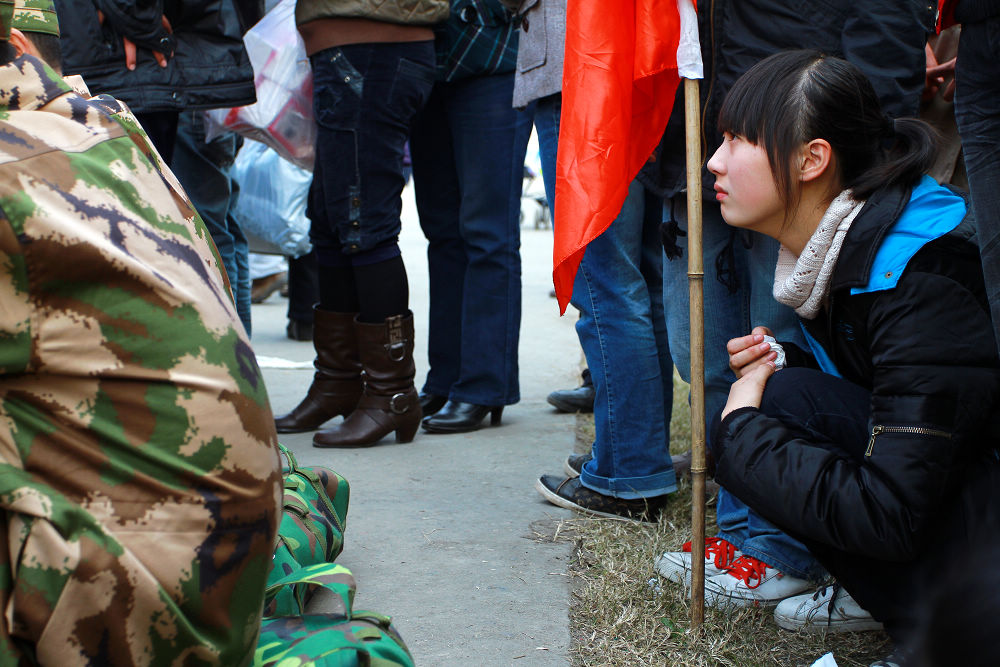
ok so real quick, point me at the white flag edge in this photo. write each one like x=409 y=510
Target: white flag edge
x=689 y=65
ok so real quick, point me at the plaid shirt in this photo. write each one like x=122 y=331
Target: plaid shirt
x=478 y=39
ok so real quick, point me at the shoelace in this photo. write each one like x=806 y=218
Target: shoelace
x=835 y=587
x=722 y=550
x=746 y=568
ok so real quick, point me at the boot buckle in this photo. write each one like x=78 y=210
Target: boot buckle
x=401 y=407
x=396 y=351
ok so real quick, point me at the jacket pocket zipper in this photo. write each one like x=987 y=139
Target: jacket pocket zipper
x=879 y=429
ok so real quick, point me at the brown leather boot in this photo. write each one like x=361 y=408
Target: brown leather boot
x=336 y=386
x=390 y=401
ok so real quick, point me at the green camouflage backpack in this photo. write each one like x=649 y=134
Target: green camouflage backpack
x=311 y=533
x=310 y=537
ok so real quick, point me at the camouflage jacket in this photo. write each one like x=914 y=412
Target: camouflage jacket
x=139 y=473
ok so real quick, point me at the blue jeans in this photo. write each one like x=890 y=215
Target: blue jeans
x=468 y=148
x=618 y=291
x=547 y=110
x=365 y=97
x=750 y=261
x=977 y=112
x=204 y=171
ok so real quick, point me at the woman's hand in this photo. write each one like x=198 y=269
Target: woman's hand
x=749 y=389
x=129 y=45
x=748 y=352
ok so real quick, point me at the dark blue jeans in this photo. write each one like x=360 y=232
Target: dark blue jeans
x=977 y=111
x=204 y=171
x=365 y=97
x=623 y=332
x=468 y=148
x=547 y=111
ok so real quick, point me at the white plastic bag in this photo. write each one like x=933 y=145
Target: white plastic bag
x=282 y=117
x=271 y=208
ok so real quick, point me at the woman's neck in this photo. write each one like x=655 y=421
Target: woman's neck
x=813 y=204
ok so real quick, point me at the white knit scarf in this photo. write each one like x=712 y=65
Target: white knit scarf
x=803 y=282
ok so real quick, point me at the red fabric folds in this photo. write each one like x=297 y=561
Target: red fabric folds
x=619 y=81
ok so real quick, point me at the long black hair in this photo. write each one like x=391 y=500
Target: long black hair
x=793 y=97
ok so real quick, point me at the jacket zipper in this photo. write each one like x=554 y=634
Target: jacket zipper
x=879 y=429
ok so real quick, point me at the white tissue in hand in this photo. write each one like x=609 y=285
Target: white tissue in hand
x=779 y=362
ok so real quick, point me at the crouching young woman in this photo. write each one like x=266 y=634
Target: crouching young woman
x=875 y=447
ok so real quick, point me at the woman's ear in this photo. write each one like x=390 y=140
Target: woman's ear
x=816 y=158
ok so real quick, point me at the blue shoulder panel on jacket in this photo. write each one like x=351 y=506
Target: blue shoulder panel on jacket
x=819 y=353
x=932 y=212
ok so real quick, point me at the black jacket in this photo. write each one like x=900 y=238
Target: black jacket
x=925 y=350
x=209 y=69
x=884 y=38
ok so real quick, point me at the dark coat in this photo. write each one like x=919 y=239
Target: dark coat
x=209 y=68
x=884 y=38
x=917 y=334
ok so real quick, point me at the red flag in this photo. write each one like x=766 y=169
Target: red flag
x=619 y=81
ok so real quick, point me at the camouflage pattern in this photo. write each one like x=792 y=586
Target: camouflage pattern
x=36 y=16
x=6 y=14
x=311 y=533
x=139 y=470
x=362 y=638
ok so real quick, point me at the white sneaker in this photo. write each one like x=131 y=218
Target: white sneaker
x=751 y=582
x=675 y=566
x=829 y=609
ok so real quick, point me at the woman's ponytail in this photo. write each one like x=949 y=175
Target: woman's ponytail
x=912 y=149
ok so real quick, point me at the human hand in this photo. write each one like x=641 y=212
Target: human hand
x=130 y=48
x=748 y=352
x=935 y=76
x=748 y=391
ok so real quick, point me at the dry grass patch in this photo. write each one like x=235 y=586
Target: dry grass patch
x=624 y=615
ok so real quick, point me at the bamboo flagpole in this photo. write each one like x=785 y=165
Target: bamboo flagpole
x=690 y=68
x=696 y=274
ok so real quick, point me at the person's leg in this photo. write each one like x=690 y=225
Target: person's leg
x=547 y=111
x=651 y=268
x=436 y=189
x=490 y=140
x=303 y=295
x=773 y=565
x=726 y=313
x=161 y=128
x=619 y=338
x=392 y=82
x=203 y=168
x=977 y=111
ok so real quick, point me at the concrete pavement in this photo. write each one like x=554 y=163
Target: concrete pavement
x=440 y=531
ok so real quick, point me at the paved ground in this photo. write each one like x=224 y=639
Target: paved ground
x=442 y=531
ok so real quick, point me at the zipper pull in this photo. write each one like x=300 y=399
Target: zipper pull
x=871 y=443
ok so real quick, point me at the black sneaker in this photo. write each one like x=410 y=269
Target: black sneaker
x=573 y=465
x=569 y=493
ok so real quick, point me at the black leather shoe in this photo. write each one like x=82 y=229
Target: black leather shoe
x=431 y=403
x=580 y=399
x=458 y=417
x=299 y=330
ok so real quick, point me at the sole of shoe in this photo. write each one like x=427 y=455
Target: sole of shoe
x=556 y=499
x=821 y=627
x=568 y=469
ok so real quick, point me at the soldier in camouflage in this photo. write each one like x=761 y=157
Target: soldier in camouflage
x=139 y=476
